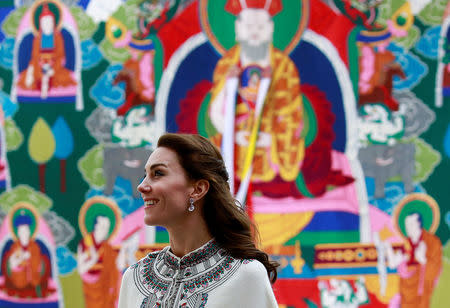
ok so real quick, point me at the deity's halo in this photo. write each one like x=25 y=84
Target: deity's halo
x=220 y=28
x=99 y=206
x=36 y=9
x=24 y=209
x=420 y=203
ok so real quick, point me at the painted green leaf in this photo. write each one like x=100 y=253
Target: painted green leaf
x=427 y=160
x=12 y=21
x=72 y=288
x=24 y=193
x=14 y=137
x=408 y=41
x=112 y=53
x=446 y=251
x=123 y=13
x=386 y=9
x=86 y=26
x=91 y=167
x=41 y=142
x=433 y=12
x=440 y=293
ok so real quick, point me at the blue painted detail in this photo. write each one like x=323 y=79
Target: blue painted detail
x=9 y=107
x=7 y=53
x=104 y=92
x=50 y=99
x=47 y=42
x=394 y=193
x=335 y=221
x=316 y=69
x=26 y=45
x=149 y=46
x=447 y=141
x=4 y=12
x=288 y=271
x=350 y=271
x=413 y=67
x=187 y=76
x=90 y=53
x=7 y=304
x=69 y=48
x=63 y=137
x=122 y=194
x=65 y=260
x=24 y=54
x=446 y=91
x=83 y=3
x=370 y=39
x=428 y=43
x=160 y=229
x=6 y=248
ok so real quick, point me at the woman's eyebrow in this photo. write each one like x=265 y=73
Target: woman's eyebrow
x=157 y=165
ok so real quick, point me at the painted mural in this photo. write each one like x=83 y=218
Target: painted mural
x=332 y=116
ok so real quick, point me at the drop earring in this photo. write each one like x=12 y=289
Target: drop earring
x=191 y=206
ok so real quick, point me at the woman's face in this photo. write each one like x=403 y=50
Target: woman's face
x=165 y=189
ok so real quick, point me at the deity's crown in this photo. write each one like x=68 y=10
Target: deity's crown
x=46 y=11
x=22 y=219
x=234 y=7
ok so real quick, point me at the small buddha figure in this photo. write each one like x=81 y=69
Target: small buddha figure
x=46 y=68
x=26 y=268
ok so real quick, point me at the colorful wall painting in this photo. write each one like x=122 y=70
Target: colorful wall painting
x=332 y=117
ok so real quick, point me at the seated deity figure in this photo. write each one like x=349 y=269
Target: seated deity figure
x=46 y=68
x=25 y=268
x=420 y=266
x=256 y=104
x=97 y=266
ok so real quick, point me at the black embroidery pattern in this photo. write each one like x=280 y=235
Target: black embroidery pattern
x=150 y=279
x=168 y=281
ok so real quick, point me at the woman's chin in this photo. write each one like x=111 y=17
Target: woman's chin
x=149 y=220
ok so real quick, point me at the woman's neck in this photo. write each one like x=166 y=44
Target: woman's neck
x=187 y=237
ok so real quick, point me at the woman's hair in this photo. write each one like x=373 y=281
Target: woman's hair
x=227 y=222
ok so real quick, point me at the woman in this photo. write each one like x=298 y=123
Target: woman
x=212 y=260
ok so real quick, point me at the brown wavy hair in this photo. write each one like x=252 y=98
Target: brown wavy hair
x=226 y=220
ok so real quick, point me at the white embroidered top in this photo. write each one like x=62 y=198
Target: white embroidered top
x=207 y=277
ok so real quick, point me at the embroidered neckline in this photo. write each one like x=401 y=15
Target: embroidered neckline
x=149 y=278
x=201 y=254
x=164 y=278
x=213 y=275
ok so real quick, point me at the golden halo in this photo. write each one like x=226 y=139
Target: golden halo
x=414 y=203
x=32 y=210
x=36 y=5
x=204 y=21
x=88 y=212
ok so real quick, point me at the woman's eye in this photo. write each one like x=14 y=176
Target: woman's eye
x=158 y=173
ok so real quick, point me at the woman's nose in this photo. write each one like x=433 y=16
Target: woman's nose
x=144 y=186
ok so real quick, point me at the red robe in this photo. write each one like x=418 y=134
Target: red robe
x=30 y=278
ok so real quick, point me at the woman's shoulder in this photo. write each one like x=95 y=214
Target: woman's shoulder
x=146 y=260
x=249 y=281
x=252 y=269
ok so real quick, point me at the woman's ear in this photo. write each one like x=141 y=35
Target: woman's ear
x=201 y=187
